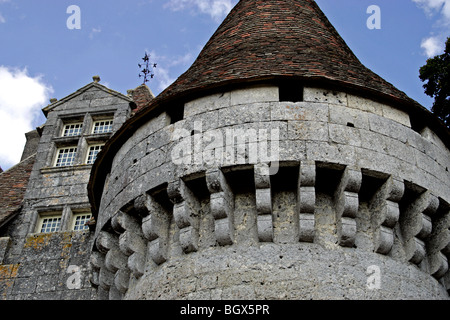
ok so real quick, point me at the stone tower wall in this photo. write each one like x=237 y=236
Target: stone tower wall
x=188 y=213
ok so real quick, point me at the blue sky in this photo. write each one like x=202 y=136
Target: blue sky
x=41 y=58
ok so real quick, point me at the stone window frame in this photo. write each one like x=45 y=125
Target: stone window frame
x=43 y=216
x=88 y=152
x=68 y=214
x=102 y=124
x=75 y=215
x=82 y=142
x=58 y=152
x=67 y=120
x=75 y=126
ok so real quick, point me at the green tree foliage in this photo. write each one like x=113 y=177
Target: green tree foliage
x=436 y=73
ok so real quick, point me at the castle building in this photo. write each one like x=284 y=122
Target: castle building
x=276 y=167
x=46 y=217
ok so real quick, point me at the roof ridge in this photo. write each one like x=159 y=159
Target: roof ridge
x=18 y=163
x=95 y=84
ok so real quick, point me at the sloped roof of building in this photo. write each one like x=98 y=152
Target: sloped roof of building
x=13 y=185
x=94 y=84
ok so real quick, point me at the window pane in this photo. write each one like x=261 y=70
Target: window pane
x=50 y=224
x=103 y=126
x=80 y=221
x=66 y=157
x=92 y=155
x=71 y=130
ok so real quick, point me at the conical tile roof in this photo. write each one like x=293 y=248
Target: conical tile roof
x=267 y=41
x=274 y=39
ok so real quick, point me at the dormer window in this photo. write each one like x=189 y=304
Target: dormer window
x=72 y=129
x=102 y=126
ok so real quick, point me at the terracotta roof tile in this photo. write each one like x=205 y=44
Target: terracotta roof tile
x=141 y=96
x=268 y=39
x=13 y=184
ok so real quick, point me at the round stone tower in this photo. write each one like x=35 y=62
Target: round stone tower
x=277 y=166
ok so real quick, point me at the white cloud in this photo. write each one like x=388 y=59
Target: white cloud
x=182 y=60
x=217 y=9
x=93 y=32
x=433 y=46
x=167 y=66
x=164 y=78
x=2 y=18
x=432 y=6
x=21 y=99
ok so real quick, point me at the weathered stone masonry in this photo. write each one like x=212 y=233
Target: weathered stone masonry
x=351 y=192
x=38 y=265
x=276 y=167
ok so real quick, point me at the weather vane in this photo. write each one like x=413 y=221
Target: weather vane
x=147 y=72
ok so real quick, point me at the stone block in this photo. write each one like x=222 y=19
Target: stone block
x=400 y=150
x=208 y=103
x=47 y=283
x=4 y=244
x=136 y=264
x=345 y=135
x=105 y=101
x=372 y=141
x=333 y=153
x=365 y=104
x=201 y=123
x=428 y=134
x=254 y=94
x=97 y=260
x=130 y=242
x=263 y=201
x=388 y=127
x=25 y=285
x=308 y=130
x=396 y=115
x=306 y=227
x=122 y=222
x=347 y=116
x=265 y=228
x=324 y=96
x=106 y=278
x=300 y=111
x=122 y=280
x=292 y=150
x=106 y=241
x=155 y=253
x=249 y=113
x=376 y=161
